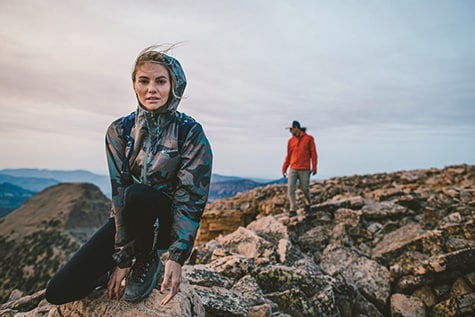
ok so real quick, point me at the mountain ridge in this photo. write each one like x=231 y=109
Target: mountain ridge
x=379 y=245
x=11 y=197
x=66 y=205
x=35 y=180
x=45 y=231
x=60 y=176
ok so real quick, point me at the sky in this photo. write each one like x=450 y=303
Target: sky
x=382 y=86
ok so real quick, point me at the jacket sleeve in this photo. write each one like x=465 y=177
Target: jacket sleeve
x=287 y=159
x=115 y=152
x=191 y=195
x=313 y=154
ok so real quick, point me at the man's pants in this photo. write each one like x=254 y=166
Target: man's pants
x=303 y=176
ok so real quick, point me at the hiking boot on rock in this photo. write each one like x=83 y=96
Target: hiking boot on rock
x=143 y=277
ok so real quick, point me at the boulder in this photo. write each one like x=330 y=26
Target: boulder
x=185 y=303
x=382 y=210
x=371 y=278
x=21 y=304
x=204 y=276
x=270 y=229
x=220 y=302
x=233 y=266
x=250 y=291
x=455 y=306
x=341 y=202
x=288 y=253
x=406 y=306
x=246 y=242
x=408 y=238
x=315 y=239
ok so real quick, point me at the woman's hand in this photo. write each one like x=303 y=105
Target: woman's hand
x=115 y=288
x=172 y=274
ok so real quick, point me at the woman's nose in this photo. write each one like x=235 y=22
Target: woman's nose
x=152 y=87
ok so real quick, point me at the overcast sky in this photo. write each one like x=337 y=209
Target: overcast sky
x=382 y=85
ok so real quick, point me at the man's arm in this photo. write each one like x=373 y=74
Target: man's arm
x=287 y=160
x=314 y=156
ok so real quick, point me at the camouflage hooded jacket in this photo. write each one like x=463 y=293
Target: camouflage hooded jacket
x=181 y=172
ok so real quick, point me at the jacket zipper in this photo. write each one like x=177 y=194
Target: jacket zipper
x=147 y=158
x=148 y=118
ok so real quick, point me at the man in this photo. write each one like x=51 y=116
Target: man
x=302 y=159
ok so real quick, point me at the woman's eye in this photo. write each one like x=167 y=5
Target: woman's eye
x=143 y=81
x=162 y=81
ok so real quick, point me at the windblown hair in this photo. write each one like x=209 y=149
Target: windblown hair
x=155 y=54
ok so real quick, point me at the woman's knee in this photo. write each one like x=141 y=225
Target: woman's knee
x=55 y=293
x=142 y=199
x=136 y=193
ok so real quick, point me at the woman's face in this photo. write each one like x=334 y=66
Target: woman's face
x=152 y=85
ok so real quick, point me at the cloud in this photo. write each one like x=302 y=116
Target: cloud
x=358 y=75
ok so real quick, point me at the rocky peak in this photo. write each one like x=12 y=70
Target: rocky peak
x=63 y=206
x=45 y=231
x=389 y=244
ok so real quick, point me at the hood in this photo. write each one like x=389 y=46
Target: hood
x=155 y=122
x=179 y=88
x=180 y=83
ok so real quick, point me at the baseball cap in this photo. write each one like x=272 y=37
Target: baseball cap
x=295 y=124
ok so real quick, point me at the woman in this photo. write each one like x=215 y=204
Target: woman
x=160 y=168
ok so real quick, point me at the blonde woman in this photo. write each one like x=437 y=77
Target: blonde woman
x=160 y=168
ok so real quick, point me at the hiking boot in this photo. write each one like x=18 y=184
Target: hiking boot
x=143 y=277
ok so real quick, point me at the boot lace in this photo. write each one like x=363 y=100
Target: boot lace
x=140 y=270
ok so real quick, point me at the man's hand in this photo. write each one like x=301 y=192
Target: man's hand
x=116 y=284
x=314 y=172
x=172 y=274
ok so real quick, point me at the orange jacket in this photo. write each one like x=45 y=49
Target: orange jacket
x=300 y=150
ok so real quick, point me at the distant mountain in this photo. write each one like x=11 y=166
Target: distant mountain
x=31 y=183
x=230 y=186
x=39 y=179
x=36 y=180
x=65 y=176
x=279 y=181
x=37 y=238
x=216 y=178
x=12 y=197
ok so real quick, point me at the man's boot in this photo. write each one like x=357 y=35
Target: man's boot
x=143 y=277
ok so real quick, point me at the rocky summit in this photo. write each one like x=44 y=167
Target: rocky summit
x=391 y=244
x=37 y=238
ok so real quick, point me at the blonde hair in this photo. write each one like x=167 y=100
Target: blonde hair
x=156 y=54
x=153 y=54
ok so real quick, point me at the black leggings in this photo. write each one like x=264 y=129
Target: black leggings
x=82 y=273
